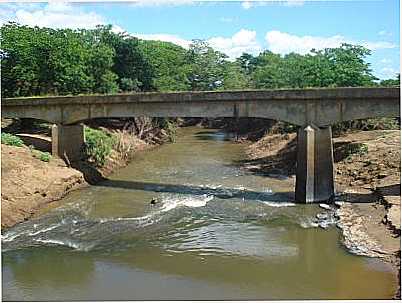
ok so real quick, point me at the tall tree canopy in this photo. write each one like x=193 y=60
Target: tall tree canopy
x=169 y=63
x=40 y=61
x=206 y=66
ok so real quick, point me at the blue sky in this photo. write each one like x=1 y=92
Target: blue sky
x=236 y=26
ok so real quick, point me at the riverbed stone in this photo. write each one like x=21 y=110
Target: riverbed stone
x=325 y=206
x=322 y=216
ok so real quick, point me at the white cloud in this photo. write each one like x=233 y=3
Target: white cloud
x=244 y=41
x=294 y=3
x=55 y=15
x=384 y=33
x=388 y=72
x=385 y=61
x=165 y=37
x=226 y=19
x=376 y=45
x=145 y=3
x=252 y=3
x=117 y=29
x=283 y=43
x=246 y=4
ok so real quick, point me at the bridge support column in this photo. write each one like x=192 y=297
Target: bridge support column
x=315 y=174
x=67 y=141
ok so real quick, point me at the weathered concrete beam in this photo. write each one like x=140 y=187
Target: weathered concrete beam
x=315 y=172
x=298 y=106
x=68 y=141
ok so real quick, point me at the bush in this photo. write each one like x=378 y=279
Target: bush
x=98 y=145
x=170 y=126
x=10 y=139
x=366 y=124
x=43 y=156
x=281 y=127
x=128 y=85
x=356 y=149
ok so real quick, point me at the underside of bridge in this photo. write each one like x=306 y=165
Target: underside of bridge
x=314 y=175
x=313 y=110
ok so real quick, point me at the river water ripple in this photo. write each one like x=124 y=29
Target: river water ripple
x=218 y=233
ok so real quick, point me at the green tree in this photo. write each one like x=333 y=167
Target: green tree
x=129 y=60
x=234 y=77
x=269 y=71
x=348 y=65
x=168 y=61
x=206 y=66
x=391 y=82
x=247 y=62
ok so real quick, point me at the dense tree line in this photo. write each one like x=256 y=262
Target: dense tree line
x=45 y=61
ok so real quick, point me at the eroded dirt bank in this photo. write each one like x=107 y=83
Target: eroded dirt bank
x=367 y=176
x=29 y=183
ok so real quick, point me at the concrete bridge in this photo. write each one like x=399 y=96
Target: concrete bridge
x=314 y=110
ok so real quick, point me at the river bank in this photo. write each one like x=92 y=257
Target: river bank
x=367 y=176
x=367 y=180
x=217 y=232
x=29 y=184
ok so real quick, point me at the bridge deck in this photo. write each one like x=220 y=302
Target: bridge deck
x=321 y=106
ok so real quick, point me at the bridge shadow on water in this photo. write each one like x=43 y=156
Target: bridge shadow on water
x=222 y=193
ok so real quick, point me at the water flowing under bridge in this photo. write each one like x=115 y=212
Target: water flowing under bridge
x=314 y=110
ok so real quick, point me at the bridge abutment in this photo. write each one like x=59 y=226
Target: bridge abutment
x=315 y=174
x=67 y=141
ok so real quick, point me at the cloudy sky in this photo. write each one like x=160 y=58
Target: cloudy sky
x=234 y=27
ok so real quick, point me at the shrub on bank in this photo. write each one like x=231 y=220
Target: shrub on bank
x=366 y=124
x=356 y=149
x=43 y=156
x=98 y=145
x=170 y=126
x=10 y=139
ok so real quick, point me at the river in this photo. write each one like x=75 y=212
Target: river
x=218 y=232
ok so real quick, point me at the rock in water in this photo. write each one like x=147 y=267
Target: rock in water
x=154 y=201
x=338 y=203
x=323 y=225
x=325 y=206
x=322 y=216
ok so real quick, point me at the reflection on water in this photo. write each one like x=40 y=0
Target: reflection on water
x=217 y=233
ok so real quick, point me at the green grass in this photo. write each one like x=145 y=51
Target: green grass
x=98 y=145
x=43 y=156
x=356 y=149
x=10 y=139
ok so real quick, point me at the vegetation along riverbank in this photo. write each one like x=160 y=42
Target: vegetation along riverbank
x=32 y=178
x=39 y=61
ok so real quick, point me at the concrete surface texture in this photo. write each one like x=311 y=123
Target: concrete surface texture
x=302 y=107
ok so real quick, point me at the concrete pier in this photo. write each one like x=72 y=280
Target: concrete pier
x=68 y=141
x=314 y=110
x=315 y=172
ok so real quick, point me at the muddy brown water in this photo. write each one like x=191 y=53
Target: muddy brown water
x=218 y=232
